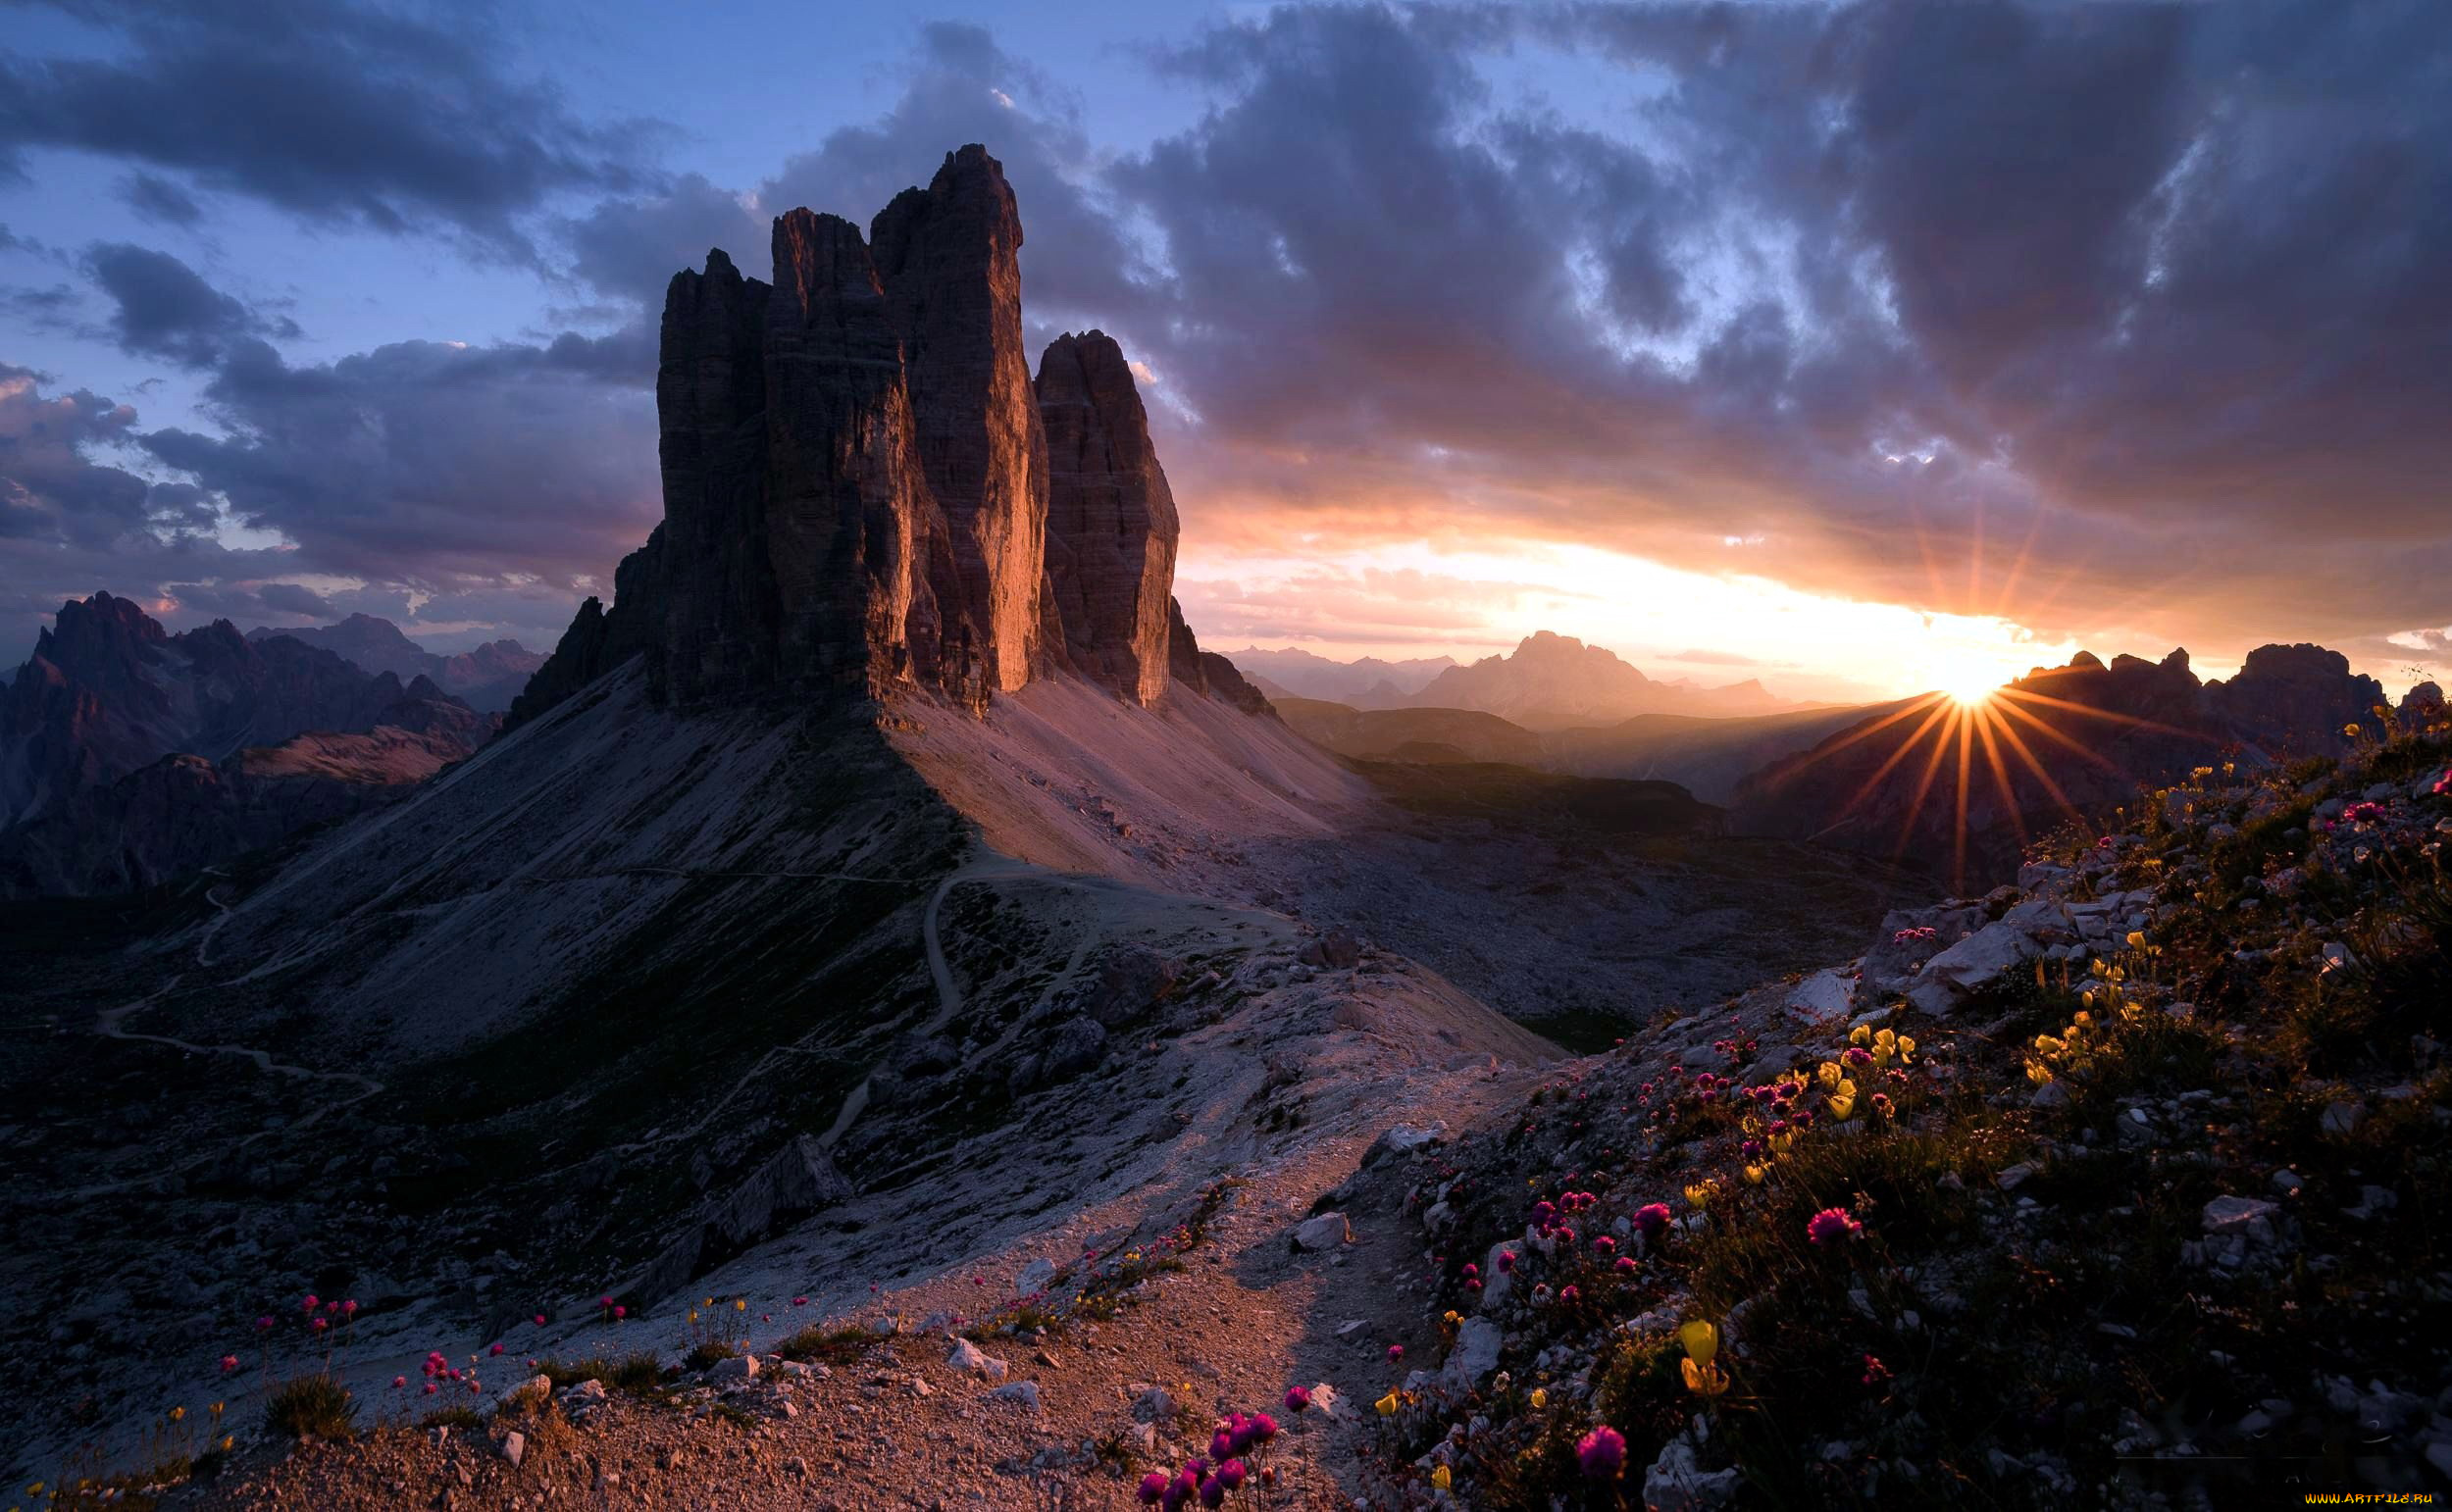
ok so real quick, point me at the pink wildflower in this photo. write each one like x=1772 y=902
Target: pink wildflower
x=1602 y=1453
x=1298 y=1398
x=229 y=1362
x=1831 y=1225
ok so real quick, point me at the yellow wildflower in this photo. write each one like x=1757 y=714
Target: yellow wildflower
x=1863 y=1034
x=1440 y=1478
x=1702 y=1192
x=740 y=1305
x=1701 y=1339
x=1540 y=1397
x=1386 y=1405
x=1754 y=1175
x=177 y=1412
x=1702 y=1379
x=1842 y=1105
x=1830 y=1073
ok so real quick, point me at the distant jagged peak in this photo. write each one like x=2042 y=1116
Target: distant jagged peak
x=1552 y=648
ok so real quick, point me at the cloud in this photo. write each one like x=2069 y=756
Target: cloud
x=336 y=113
x=1078 y=267
x=289 y=598
x=165 y=309
x=2138 y=291
x=71 y=522
x=433 y=464
x=159 y=200
x=1366 y=606
x=630 y=248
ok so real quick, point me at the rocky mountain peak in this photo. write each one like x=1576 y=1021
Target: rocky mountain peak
x=858 y=481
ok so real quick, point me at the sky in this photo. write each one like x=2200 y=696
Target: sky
x=1859 y=348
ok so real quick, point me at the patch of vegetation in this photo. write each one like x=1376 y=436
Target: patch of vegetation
x=316 y=1406
x=2102 y=1220
x=820 y=1345
x=640 y=1373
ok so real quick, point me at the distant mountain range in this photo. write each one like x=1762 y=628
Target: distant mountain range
x=486 y=679
x=128 y=754
x=1549 y=682
x=1707 y=756
x=1955 y=789
x=1368 y=682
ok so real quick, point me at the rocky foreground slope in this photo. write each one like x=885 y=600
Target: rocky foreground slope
x=2119 y=1187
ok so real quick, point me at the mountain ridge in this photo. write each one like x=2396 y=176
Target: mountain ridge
x=485 y=678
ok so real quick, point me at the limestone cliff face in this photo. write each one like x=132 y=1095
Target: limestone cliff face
x=1112 y=525
x=858 y=544
x=858 y=492
x=719 y=608
x=948 y=259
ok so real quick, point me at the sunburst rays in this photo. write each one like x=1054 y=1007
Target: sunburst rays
x=1951 y=735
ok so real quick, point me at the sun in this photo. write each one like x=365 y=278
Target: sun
x=1969 y=691
x=1968 y=679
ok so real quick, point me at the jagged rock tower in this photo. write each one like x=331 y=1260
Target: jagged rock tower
x=859 y=488
x=1111 y=525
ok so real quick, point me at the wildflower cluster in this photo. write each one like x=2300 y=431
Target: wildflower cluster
x=1235 y=1466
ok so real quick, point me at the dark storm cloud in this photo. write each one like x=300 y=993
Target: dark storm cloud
x=630 y=248
x=394 y=118
x=165 y=309
x=429 y=463
x=412 y=468
x=157 y=199
x=1865 y=282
